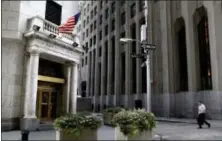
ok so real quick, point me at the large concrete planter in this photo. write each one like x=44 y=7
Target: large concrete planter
x=108 y=118
x=87 y=134
x=146 y=135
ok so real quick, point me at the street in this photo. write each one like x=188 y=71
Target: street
x=167 y=130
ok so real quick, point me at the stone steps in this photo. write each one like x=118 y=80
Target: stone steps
x=45 y=126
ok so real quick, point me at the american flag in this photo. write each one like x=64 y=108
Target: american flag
x=70 y=24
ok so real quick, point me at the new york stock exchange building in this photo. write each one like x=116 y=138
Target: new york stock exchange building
x=39 y=65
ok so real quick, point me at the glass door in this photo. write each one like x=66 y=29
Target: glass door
x=46 y=104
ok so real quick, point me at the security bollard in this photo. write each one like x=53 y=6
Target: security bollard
x=25 y=135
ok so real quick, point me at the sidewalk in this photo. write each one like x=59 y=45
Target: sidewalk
x=190 y=121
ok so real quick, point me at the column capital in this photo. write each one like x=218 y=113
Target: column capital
x=70 y=63
x=34 y=53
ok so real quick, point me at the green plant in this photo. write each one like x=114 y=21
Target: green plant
x=109 y=113
x=84 y=113
x=133 y=122
x=75 y=124
x=113 y=110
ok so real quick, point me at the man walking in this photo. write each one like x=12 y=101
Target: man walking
x=201 y=118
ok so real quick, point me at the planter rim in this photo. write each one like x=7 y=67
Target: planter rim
x=62 y=129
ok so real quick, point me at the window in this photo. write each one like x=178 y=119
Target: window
x=122 y=35
x=86 y=47
x=95 y=10
x=90 y=43
x=53 y=12
x=123 y=18
x=88 y=20
x=79 y=27
x=133 y=10
x=91 y=28
x=101 y=19
x=88 y=8
x=100 y=35
x=92 y=14
x=142 y=21
x=106 y=29
x=113 y=24
x=94 y=39
x=84 y=24
x=86 y=44
x=101 y=4
x=107 y=13
x=122 y=2
x=123 y=72
x=113 y=62
x=143 y=80
x=84 y=11
x=141 y=5
x=87 y=32
x=133 y=75
x=100 y=51
x=82 y=62
x=86 y=60
x=113 y=7
x=94 y=24
x=83 y=36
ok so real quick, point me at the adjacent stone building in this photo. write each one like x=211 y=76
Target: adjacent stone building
x=39 y=65
x=185 y=67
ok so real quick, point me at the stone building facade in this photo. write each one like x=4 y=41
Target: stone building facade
x=185 y=67
x=39 y=65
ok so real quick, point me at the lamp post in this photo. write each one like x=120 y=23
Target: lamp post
x=145 y=55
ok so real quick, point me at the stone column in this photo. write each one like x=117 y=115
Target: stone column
x=103 y=66
x=92 y=76
x=74 y=87
x=67 y=86
x=128 y=59
x=192 y=61
x=214 y=9
x=117 y=57
x=88 y=76
x=97 y=75
x=138 y=61
x=30 y=122
x=110 y=65
x=165 y=46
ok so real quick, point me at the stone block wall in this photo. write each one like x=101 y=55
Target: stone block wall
x=84 y=104
x=184 y=104
x=12 y=82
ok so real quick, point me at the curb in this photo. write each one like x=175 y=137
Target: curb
x=175 y=121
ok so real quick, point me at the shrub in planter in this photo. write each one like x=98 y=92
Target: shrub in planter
x=134 y=125
x=77 y=127
x=109 y=113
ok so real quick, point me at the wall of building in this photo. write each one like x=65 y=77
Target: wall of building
x=12 y=81
x=167 y=99
x=170 y=101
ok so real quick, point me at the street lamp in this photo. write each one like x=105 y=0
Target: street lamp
x=128 y=40
x=145 y=55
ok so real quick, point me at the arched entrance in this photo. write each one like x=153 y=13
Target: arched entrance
x=182 y=54
x=201 y=22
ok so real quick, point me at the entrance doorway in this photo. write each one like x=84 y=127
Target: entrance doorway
x=47 y=103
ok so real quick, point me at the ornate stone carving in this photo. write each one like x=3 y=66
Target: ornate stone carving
x=43 y=44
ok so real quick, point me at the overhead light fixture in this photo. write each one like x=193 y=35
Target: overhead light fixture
x=52 y=35
x=35 y=28
x=75 y=44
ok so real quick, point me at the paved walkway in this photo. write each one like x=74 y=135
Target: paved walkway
x=190 y=121
x=170 y=129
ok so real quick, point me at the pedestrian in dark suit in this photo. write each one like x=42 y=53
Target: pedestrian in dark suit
x=201 y=118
